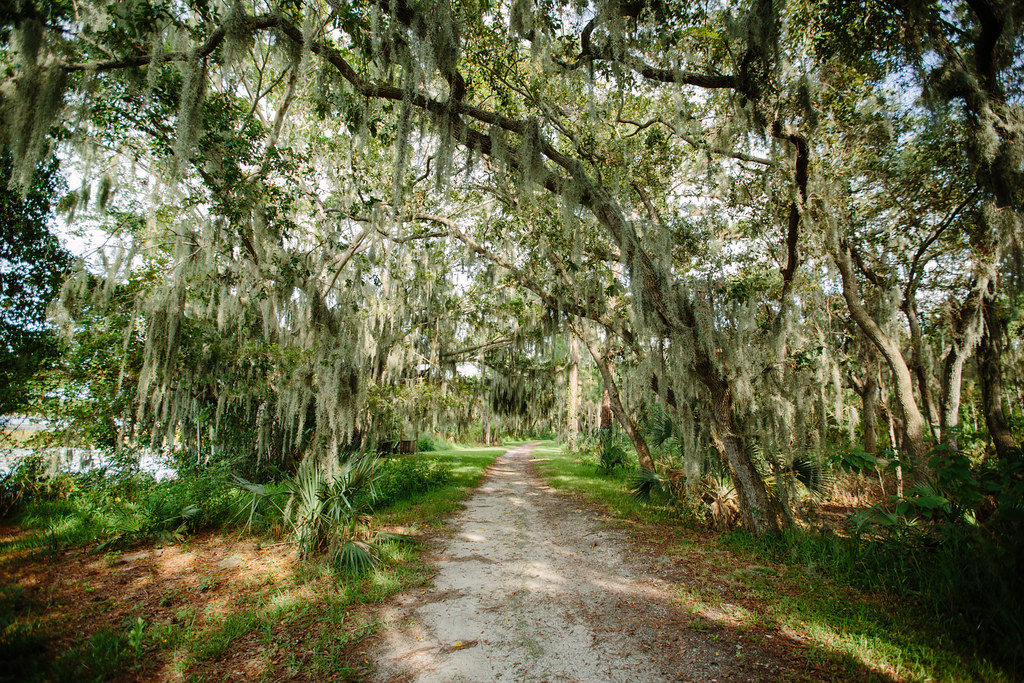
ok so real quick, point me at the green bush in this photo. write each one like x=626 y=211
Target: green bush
x=401 y=478
x=30 y=480
x=327 y=509
x=170 y=509
x=429 y=443
x=612 y=452
x=116 y=506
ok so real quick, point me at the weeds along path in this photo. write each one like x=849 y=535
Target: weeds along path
x=531 y=587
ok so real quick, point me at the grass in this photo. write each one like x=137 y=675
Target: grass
x=212 y=605
x=466 y=467
x=567 y=473
x=845 y=613
x=74 y=510
x=736 y=582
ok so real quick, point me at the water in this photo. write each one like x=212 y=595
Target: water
x=78 y=460
x=67 y=459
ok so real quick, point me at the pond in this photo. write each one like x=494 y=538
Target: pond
x=76 y=460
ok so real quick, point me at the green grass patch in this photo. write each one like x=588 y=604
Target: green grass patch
x=567 y=472
x=120 y=510
x=827 y=592
x=465 y=467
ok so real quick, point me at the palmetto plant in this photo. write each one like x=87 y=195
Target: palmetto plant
x=612 y=451
x=667 y=485
x=722 y=501
x=327 y=510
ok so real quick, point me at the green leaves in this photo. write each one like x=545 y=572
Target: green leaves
x=356 y=557
x=327 y=510
x=612 y=452
x=647 y=486
x=32 y=268
x=857 y=459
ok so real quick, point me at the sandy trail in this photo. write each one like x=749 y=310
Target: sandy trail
x=531 y=587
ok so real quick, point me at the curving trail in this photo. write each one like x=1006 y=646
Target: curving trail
x=531 y=587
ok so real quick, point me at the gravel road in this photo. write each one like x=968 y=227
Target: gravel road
x=533 y=586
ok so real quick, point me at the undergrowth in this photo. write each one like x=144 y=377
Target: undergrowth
x=917 y=606
x=965 y=585
x=114 y=508
x=297 y=622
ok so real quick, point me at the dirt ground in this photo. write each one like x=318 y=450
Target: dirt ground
x=533 y=586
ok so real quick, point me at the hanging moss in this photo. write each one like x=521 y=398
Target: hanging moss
x=32 y=106
x=238 y=39
x=189 y=126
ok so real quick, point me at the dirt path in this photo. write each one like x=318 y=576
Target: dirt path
x=531 y=587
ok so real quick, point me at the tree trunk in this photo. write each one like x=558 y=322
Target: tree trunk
x=755 y=508
x=870 y=397
x=967 y=330
x=990 y=375
x=606 y=405
x=917 y=363
x=952 y=381
x=485 y=428
x=891 y=422
x=903 y=382
x=611 y=394
x=869 y=410
x=572 y=426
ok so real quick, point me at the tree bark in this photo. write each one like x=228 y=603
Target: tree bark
x=868 y=389
x=890 y=421
x=615 y=401
x=755 y=507
x=967 y=330
x=485 y=428
x=918 y=364
x=869 y=410
x=606 y=401
x=990 y=375
x=952 y=381
x=903 y=382
x=572 y=426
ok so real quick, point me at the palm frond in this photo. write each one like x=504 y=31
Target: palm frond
x=874 y=516
x=356 y=557
x=812 y=475
x=659 y=425
x=647 y=486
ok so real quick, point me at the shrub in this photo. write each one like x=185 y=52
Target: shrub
x=117 y=505
x=30 y=480
x=611 y=451
x=402 y=478
x=170 y=509
x=327 y=509
x=963 y=576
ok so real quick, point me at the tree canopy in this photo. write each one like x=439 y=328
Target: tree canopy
x=773 y=220
x=32 y=268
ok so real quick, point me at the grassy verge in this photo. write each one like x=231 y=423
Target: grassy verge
x=429 y=510
x=735 y=583
x=67 y=511
x=568 y=473
x=217 y=605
